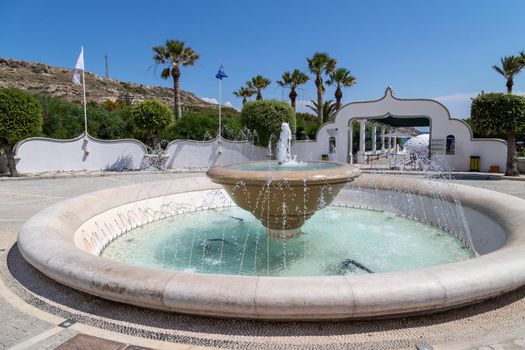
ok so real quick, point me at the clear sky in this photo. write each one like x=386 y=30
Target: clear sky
x=436 y=49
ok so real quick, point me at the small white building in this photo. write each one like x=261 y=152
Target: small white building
x=451 y=140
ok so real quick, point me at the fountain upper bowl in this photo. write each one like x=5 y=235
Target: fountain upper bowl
x=311 y=172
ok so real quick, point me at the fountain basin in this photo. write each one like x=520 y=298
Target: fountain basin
x=283 y=197
x=64 y=242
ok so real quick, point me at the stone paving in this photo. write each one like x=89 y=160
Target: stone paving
x=32 y=306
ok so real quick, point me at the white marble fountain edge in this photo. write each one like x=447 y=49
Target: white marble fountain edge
x=58 y=241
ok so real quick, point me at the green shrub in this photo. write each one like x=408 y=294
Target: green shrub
x=152 y=116
x=20 y=117
x=193 y=126
x=62 y=119
x=65 y=120
x=202 y=125
x=498 y=113
x=307 y=126
x=265 y=118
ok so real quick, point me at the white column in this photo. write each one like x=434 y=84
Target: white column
x=395 y=144
x=374 y=138
x=383 y=138
x=350 y=157
x=362 y=135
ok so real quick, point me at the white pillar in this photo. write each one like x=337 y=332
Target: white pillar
x=350 y=157
x=362 y=135
x=374 y=138
x=395 y=144
x=383 y=138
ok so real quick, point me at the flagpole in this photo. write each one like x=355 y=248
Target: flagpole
x=85 y=107
x=220 y=102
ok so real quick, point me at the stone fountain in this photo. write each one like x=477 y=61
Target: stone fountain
x=283 y=193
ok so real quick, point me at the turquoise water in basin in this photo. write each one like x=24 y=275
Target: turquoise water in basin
x=275 y=166
x=335 y=241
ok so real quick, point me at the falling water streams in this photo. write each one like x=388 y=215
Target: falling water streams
x=336 y=240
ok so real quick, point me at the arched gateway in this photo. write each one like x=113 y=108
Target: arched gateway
x=450 y=139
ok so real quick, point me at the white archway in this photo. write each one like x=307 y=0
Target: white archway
x=491 y=151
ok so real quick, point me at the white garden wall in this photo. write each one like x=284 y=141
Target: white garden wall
x=187 y=154
x=83 y=153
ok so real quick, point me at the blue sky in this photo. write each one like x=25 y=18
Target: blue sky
x=436 y=49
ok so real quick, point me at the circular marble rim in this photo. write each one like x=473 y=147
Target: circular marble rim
x=343 y=173
x=46 y=241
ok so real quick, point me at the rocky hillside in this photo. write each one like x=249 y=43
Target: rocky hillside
x=43 y=78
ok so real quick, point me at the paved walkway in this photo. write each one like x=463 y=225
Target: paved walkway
x=34 y=310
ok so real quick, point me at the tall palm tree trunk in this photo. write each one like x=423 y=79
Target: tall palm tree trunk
x=177 y=110
x=509 y=84
x=512 y=163
x=319 y=85
x=293 y=96
x=259 y=95
x=338 y=97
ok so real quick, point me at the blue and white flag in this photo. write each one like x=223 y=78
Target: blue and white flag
x=79 y=67
x=220 y=74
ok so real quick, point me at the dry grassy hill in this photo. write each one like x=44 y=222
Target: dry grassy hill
x=43 y=78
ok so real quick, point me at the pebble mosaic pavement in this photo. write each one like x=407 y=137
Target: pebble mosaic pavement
x=496 y=324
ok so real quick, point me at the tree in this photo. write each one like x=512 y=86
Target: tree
x=293 y=80
x=320 y=63
x=20 y=117
x=266 y=118
x=153 y=117
x=258 y=84
x=341 y=77
x=244 y=93
x=175 y=55
x=328 y=108
x=510 y=67
x=497 y=113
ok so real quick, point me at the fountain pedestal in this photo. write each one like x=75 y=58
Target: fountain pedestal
x=282 y=198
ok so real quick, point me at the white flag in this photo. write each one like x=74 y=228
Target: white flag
x=79 y=67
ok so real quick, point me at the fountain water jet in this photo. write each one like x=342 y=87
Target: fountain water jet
x=283 y=194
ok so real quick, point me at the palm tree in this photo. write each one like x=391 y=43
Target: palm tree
x=510 y=67
x=258 y=83
x=320 y=63
x=293 y=80
x=341 y=77
x=244 y=92
x=175 y=55
x=328 y=108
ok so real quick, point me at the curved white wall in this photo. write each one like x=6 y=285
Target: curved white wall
x=43 y=154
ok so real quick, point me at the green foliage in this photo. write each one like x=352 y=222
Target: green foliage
x=193 y=126
x=151 y=115
x=306 y=126
x=258 y=84
x=203 y=125
x=266 y=117
x=329 y=109
x=20 y=115
x=65 y=120
x=494 y=114
x=115 y=105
